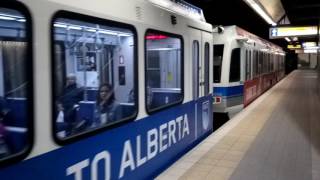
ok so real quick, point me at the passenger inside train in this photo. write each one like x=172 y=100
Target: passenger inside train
x=107 y=108
x=100 y=59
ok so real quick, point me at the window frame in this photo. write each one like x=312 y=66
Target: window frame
x=238 y=78
x=195 y=69
x=102 y=21
x=206 y=68
x=172 y=35
x=220 y=72
x=14 y=158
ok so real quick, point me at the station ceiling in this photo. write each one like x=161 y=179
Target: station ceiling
x=237 y=12
x=303 y=12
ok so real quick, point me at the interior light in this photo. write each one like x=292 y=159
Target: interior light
x=92 y=30
x=75 y=27
x=124 y=34
x=261 y=12
x=60 y=25
x=7 y=18
x=108 y=32
x=287 y=39
x=21 y=20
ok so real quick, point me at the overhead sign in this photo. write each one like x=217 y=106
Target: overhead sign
x=290 y=46
x=281 y=32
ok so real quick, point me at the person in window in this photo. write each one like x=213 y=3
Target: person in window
x=107 y=109
x=68 y=104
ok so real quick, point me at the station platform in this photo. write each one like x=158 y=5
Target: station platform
x=277 y=137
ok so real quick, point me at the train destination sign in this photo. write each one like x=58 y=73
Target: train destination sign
x=281 y=32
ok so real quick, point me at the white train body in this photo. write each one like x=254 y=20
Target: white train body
x=126 y=44
x=258 y=65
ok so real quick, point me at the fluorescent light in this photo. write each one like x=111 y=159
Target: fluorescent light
x=75 y=27
x=311 y=47
x=108 y=32
x=310 y=51
x=124 y=34
x=261 y=12
x=60 y=25
x=309 y=44
x=287 y=39
x=7 y=18
x=92 y=30
x=295 y=39
x=21 y=20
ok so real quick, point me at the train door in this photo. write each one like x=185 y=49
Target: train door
x=207 y=51
x=200 y=43
x=195 y=43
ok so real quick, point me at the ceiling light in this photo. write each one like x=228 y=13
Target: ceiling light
x=287 y=39
x=260 y=11
x=309 y=44
x=310 y=51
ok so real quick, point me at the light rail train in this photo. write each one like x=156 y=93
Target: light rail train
x=105 y=89
x=245 y=66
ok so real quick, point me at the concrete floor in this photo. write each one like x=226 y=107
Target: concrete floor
x=276 y=137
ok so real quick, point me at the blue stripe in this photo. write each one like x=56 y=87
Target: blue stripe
x=229 y=91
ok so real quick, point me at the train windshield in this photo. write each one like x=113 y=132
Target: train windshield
x=14 y=83
x=163 y=70
x=93 y=75
x=217 y=62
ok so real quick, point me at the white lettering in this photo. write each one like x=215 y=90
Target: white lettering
x=178 y=120
x=105 y=156
x=163 y=137
x=152 y=143
x=77 y=169
x=185 y=126
x=140 y=160
x=172 y=131
x=127 y=159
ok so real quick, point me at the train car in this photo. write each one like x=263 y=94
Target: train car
x=245 y=66
x=101 y=89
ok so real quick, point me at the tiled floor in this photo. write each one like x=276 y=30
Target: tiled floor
x=276 y=137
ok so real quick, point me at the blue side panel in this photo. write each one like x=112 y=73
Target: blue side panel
x=137 y=150
x=229 y=91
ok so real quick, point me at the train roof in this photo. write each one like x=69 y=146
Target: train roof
x=236 y=33
x=152 y=12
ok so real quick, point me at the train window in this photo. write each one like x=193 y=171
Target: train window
x=94 y=74
x=235 y=65
x=257 y=63
x=254 y=63
x=164 y=70
x=195 y=69
x=248 y=66
x=217 y=62
x=206 y=66
x=15 y=81
x=260 y=62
